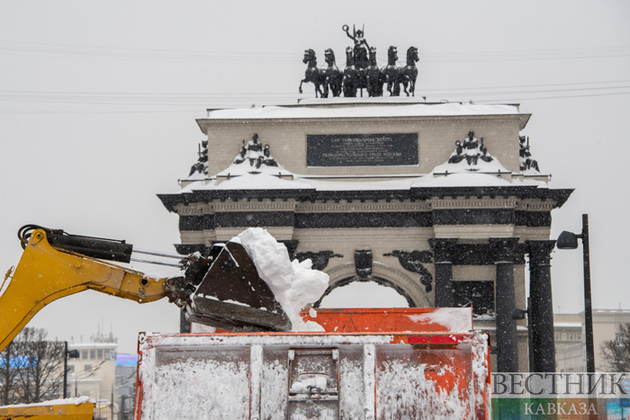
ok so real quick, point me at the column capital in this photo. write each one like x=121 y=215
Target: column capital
x=443 y=249
x=540 y=251
x=505 y=250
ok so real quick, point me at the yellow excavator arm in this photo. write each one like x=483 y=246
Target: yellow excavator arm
x=45 y=274
x=55 y=264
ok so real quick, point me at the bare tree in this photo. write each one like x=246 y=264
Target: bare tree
x=617 y=352
x=31 y=368
x=8 y=374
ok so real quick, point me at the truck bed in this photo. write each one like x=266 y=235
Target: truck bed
x=428 y=372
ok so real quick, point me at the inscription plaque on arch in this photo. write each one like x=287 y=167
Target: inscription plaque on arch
x=394 y=149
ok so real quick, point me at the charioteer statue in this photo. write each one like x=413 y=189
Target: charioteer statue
x=361 y=70
x=361 y=46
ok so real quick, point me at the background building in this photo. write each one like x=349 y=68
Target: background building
x=126 y=368
x=93 y=374
x=442 y=202
x=571 y=340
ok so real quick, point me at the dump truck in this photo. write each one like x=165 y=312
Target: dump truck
x=403 y=363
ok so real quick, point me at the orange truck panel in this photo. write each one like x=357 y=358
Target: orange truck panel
x=391 y=319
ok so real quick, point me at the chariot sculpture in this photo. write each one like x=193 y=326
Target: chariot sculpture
x=361 y=71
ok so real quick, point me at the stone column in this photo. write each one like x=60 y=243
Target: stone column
x=504 y=252
x=541 y=306
x=443 y=250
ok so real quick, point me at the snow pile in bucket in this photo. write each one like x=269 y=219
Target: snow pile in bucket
x=294 y=284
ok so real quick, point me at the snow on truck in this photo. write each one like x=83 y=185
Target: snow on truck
x=268 y=358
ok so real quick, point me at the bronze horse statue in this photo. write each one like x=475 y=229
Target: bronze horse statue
x=374 y=76
x=405 y=76
x=333 y=76
x=313 y=74
x=350 y=76
x=391 y=73
x=409 y=73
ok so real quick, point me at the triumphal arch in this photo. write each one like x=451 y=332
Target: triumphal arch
x=441 y=201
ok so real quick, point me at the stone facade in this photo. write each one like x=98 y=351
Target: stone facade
x=453 y=228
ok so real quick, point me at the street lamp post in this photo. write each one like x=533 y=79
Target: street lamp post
x=73 y=354
x=569 y=240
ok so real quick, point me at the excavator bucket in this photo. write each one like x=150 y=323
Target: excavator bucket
x=232 y=296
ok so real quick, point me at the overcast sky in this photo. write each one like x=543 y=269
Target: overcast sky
x=98 y=102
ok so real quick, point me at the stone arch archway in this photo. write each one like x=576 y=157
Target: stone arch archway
x=382 y=274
